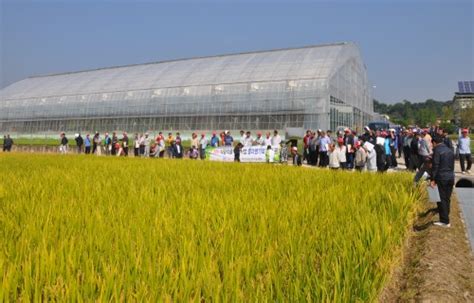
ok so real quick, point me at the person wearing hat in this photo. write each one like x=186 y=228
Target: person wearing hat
x=349 y=143
x=259 y=141
x=79 y=142
x=214 y=139
x=464 y=147
x=296 y=156
x=443 y=178
x=360 y=157
x=194 y=140
x=341 y=153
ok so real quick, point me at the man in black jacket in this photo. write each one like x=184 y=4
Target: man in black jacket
x=79 y=143
x=443 y=177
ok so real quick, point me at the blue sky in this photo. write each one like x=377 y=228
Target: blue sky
x=413 y=50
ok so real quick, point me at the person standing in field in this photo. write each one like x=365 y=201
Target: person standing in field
x=447 y=141
x=360 y=157
x=248 y=140
x=268 y=139
x=443 y=178
x=214 y=140
x=147 y=144
x=324 y=143
x=178 y=150
x=79 y=142
x=380 y=151
x=107 y=144
x=194 y=140
x=170 y=148
x=333 y=157
x=407 y=136
x=306 y=141
x=313 y=150
x=259 y=141
x=237 y=150
x=124 y=144
x=178 y=139
x=64 y=144
x=141 y=148
x=349 y=144
x=87 y=144
x=114 y=143
x=414 y=156
x=242 y=137
x=96 y=141
x=228 y=140
x=276 y=140
x=160 y=142
x=341 y=153
x=202 y=147
x=7 y=143
x=136 y=145
x=270 y=154
x=222 y=141
x=464 y=147
x=423 y=148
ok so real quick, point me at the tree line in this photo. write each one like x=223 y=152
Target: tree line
x=425 y=113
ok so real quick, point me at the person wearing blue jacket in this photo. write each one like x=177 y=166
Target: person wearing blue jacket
x=87 y=144
x=464 y=147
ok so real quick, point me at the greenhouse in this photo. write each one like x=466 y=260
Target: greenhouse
x=314 y=87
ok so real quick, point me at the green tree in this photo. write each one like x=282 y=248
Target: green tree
x=467 y=118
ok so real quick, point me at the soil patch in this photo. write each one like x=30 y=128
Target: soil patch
x=437 y=262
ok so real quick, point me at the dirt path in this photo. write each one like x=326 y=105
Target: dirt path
x=438 y=263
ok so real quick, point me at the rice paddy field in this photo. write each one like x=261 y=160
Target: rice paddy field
x=78 y=228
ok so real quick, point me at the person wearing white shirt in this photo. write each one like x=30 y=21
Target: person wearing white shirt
x=276 y=140
x=248 y=140
x=268 y=140
x=259 y=140
x=242 y=137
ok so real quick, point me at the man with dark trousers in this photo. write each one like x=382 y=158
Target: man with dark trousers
x=443 y=177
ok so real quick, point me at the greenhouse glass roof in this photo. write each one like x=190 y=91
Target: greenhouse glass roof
x=312 y=62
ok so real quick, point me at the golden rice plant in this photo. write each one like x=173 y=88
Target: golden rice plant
x=83 y=228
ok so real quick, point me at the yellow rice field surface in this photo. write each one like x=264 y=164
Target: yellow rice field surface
x=114 y=229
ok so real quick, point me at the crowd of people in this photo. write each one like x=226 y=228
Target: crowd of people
x=7 y=143
x=145 y=145
x=372 y=150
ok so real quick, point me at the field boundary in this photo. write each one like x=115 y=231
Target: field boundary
x=435 y=262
